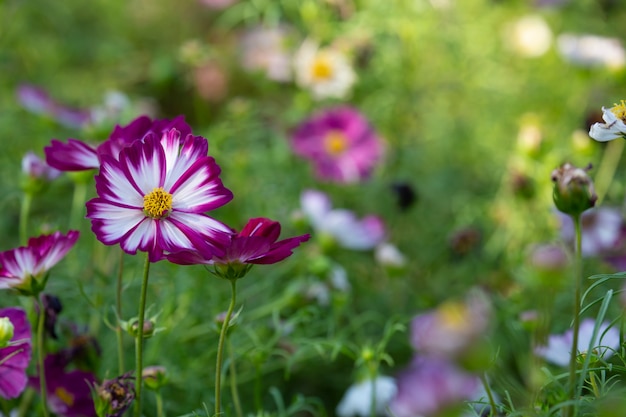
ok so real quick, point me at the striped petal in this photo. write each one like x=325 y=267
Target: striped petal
x=111 y=222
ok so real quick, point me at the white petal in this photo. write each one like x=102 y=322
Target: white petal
x=116 y=221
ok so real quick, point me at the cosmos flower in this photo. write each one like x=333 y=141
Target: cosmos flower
x=591 y=50
x=257 y=243
x=15 y=352
x=25 y=268
x=341 y=225
x=38 y=101
x=68 y=392
x=325 y=72
x=357 y=400
x=36 y=168
x=431 y=385
x=114 y=396
x=340 y=143
x=602 y=230
x=76 y=155
x=559 y=346
x=264 y=49
x=154 y=197
x=614 y=126
x=451 y=328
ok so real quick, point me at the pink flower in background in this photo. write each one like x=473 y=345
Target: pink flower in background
x=26 y=267
x=451 y=328
x=601 y=230
x=341 y=143
x=154 y=196
x=38 y=101
x=264 y=49
x=257 y=243
x=68 y=392
x=341 y=225
x=559 y=346
x=76 y=155
x=217 y=4
x=36 y=168
x=14 y=355
x=429 y=386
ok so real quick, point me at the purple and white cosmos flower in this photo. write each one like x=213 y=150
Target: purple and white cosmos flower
x=76 y=155
x=257 y=243
x=25 y=268
x=15 y=356
x=431 y=385
x=341 y=143
x=559 y=346
x=154 y=196
x=341 y=225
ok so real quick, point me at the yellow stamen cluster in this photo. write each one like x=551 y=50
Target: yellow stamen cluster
x=335 y=142
x=157 y=204
x=452 y=315
x=321 y=68
x=619 y=110
x=64 y=396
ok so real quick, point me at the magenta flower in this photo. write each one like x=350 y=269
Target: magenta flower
x=341 y=143
x=15 y=354
x=257 y=243
x=76 y=155
x=36 y=168
x=154 y=197
x=25 y=268
x=68 y=392
x=341 y=225
x=431 y=385
x=39 y=101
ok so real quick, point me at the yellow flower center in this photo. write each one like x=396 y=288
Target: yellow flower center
x=452 y=315
x=64 y=396
x=321 y=68
x=157 y=204
x=335 y=142
x=619 y=110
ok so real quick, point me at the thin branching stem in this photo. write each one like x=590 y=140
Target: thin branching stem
x=139 y=337
x=220 y=347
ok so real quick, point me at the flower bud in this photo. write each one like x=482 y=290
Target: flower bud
x=114 y=396
x=6 y=331
x=573 y=189
x=154 y=377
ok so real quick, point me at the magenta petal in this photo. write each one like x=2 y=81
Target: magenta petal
x=280 y=250
x=262 y=227
x=14 y=359
x=71 y=156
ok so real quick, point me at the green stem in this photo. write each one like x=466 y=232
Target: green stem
x=234 y=392
x=492 y=402
x=608 y=165
x=220 y=347
x=139 y=337
x=118 y=310
x=24 y=214
x=577 y=294
x=78 y=203
x=159 y=404
x=40 y=355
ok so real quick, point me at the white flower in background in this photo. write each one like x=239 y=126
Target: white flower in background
x=529 y=36
x=326 y=72
x=614 y=127
x=559 y=345
x=357 y=401
x=264 y=49
x=387 y=254
x=341 y=225
x=591 y=50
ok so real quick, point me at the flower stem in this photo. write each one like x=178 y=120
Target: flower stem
x=40 y=355
x=578 y=283
x=78 y=204
x=220 y=347
x=118 y=310
x=24 y=213
x=492 y=402
x=139 y=337
x=159 y=404
x=233 y=380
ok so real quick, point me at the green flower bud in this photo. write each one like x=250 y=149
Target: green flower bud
x=6 y=331
x=573 y=189
x=154 y=377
